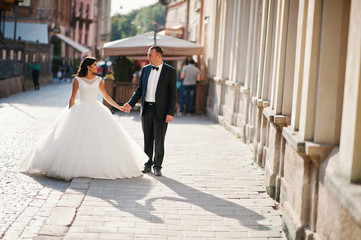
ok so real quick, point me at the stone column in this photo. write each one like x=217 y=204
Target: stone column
x=249 y=129
x=236 y=29
x=280 y=56
x=243 y=43
x=221 y=38
x=263 y=47
x=250 y=45
x=350 y=144
x=299 y=64
x=254 y=121
x=311 y=66
x=243 y=96
x=331 y=72
x=290 y=58
x=268 y=51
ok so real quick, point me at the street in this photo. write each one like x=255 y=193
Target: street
x=210 y=187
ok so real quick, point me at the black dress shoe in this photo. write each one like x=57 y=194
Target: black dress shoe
x=146 y=170
x=157 y=172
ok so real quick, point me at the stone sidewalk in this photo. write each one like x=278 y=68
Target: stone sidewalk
x=210 y=187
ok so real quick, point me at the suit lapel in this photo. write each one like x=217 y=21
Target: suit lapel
x=162 y=76
x=146 y=77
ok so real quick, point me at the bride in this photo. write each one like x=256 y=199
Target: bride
x=85 y=140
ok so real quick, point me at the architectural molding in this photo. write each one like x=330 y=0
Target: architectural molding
x=244 y=90
x=316 y=151
x=280 y=120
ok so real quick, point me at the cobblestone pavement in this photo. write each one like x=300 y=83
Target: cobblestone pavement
x=210 y=188
x=26 y=201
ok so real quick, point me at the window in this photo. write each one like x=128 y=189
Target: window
x=25 y=3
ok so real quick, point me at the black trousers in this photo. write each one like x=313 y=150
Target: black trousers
x=154 y=129
x=35 y=75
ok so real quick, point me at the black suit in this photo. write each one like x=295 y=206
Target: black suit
x=154 y=116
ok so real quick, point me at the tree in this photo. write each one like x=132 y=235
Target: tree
x=122 y=27
x=123 y=69
x=138 y=21
x=146 y=16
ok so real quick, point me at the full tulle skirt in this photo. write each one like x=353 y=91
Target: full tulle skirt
x=85 y=141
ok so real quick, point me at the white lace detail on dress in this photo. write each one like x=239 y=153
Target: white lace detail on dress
x=89 y=81
x=88 y=90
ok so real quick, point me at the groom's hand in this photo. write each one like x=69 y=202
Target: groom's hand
x=127 y=108
x=168 y=118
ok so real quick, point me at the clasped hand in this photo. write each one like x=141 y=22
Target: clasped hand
x=126 y=108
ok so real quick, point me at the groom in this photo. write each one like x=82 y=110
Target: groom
x=157 y=87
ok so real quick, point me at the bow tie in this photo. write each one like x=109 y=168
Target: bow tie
x=156 y=68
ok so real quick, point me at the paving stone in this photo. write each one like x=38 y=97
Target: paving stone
x=61 y=216
x=210 y=186
x=24 y=116
x=53 y=230
x=71 y=200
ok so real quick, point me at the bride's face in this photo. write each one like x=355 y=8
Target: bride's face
x=93 y=68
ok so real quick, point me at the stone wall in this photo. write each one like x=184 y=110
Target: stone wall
x=14 y=61
x=285 y=77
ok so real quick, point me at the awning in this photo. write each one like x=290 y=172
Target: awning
x=72 y=43
x=31 y=32
x=139 y=45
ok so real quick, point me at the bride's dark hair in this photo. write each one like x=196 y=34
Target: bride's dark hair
x=83 y=69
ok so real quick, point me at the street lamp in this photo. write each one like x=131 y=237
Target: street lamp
x=155 y=25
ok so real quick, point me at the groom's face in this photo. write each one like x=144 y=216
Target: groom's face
x=153 y=57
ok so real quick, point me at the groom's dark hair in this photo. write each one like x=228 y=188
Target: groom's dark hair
x=157 y=49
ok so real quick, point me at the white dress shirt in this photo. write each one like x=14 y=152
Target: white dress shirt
x=152 y=84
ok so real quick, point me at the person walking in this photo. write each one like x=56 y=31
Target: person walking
x=35 y=74
x=158 y=89
x=63 y=67
x=104 y=69
x=190 y=75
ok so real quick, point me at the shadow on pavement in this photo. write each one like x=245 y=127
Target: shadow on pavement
x=124 y=195
x=210 y=203
x=49 y=182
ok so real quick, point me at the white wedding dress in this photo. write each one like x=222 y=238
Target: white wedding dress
x=85 y=141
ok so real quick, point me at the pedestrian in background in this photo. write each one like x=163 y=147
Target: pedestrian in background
x=179 y=86
x=189 y=76
x=63 y=67
x=35 y=73
x=104 y=69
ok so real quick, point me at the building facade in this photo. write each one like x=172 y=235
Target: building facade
x=69 y=29
x=285 y=77
x=77 y=22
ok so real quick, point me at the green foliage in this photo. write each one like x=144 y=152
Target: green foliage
x=138 y=21
x=122 y=27
x=146 y=16
x=123 y=69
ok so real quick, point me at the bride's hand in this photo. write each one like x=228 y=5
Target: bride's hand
x=121 y=109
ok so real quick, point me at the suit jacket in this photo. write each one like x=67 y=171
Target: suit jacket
x=166 y=92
